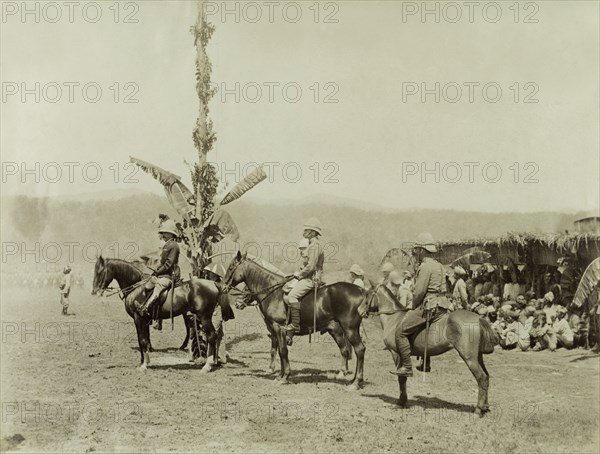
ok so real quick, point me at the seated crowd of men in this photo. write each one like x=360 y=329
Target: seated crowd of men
x=522 y=322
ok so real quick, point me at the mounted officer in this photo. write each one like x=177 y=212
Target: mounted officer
x=308 y=276
x=428 y=300
x=168 y=271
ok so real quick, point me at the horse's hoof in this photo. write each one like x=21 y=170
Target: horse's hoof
x=283 y=381
x=205 y=370
x=340 y=375
x=270 y=371
x=143 y=368
x=402 y=401
x=353 y=386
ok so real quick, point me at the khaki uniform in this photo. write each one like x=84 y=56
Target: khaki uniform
x=311 y=271
x=430 y=287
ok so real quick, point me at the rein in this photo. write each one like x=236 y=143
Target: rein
x=130 y=288
x=255 y=295
x=388 y=312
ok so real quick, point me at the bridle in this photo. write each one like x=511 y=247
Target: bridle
x=370 y=305
x=125 y=291
x=228 y=287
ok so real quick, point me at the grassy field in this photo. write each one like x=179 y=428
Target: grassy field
x=71 y=384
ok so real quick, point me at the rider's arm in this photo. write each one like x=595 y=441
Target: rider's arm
x=170 y=260
x=313 y=255
x=421 y=284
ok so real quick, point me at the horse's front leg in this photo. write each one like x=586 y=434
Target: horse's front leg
x=284 y=373
x=143 y=333
x=211 y=341
x=359 y=348
x=274 y=348
x=187 y=332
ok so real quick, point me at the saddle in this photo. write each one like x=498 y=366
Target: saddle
x=435 y=315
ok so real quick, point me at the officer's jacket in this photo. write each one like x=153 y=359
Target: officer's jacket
x=429 y=281
x=169 y=259
x=314 y=263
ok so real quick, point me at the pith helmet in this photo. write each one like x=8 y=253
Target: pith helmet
x=216 y=268
x=387 y=266
x=67 y=269
x=426 y=241
x=395 y=277
x=303 y=243
x=356 y=269
x=460 y=270
x=313 y=224
x=168 y=227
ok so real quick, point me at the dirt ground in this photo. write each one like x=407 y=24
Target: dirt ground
x=71 y=384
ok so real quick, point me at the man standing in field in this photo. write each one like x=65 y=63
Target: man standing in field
x=65 y=289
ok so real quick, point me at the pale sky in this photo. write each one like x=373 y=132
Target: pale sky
x=371 y=145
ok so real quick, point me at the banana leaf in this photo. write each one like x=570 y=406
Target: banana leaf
x=244 y=186
x=587 y=284
x=179 y=196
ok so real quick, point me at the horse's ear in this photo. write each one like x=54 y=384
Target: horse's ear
x=245 y=254
x=101 y=259
x=238 y=256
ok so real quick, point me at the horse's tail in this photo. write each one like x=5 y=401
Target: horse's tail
x=488 y=338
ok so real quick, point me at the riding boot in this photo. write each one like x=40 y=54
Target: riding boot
x=403 y=347
x=144 y=309
x=294 y=326
x=426 y=366
x=157 y=324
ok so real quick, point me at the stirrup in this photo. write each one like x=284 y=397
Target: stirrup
x=402 y=372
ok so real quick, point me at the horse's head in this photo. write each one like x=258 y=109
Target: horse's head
x=235 y=271
x=379 y=299
x=102 y=276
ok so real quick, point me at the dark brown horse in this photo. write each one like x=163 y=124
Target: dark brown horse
x=199 y=296
x=336 y=305
x=465 y=331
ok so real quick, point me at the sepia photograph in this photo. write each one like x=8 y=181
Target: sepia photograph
x=353 y=226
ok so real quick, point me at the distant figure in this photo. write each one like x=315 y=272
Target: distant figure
x=65 y=289
x=562 y=329
x=405 y=292
x=356 y=275
x=460 y=298
x=386 y=269
x=394 y=283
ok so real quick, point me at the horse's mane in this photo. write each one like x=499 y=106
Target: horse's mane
x=266 y=265
x=124 y=265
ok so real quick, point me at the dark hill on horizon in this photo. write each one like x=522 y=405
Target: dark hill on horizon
x=355 y=233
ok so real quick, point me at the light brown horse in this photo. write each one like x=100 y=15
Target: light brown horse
x=199 y=296
x=463 y=330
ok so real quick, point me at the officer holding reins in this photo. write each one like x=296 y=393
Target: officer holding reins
x=428 y=299
x=168 y=269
